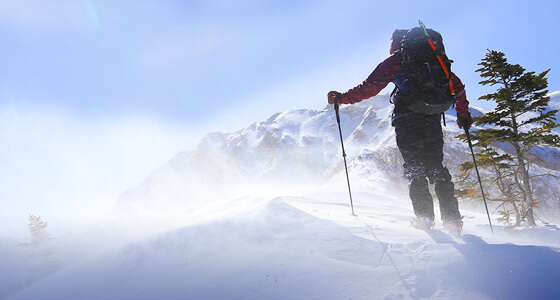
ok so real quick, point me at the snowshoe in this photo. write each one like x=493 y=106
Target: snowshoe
x=453 y=227
x=422 y=223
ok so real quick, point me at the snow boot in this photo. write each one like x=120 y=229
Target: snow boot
x=422 y=223
x=453 y=227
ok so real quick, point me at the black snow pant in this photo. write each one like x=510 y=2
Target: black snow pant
x=420 y=141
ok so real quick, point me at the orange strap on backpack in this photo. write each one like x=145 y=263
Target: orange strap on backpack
x=451 y=88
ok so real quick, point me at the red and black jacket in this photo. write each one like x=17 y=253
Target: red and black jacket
x=385 y=73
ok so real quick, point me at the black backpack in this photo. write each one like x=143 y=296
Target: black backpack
x=425 y=87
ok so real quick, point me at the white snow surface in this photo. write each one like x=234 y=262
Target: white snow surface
x=311 y=247
x=264 y=213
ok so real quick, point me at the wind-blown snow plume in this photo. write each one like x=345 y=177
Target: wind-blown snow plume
x=213 y=235
x=291 y=151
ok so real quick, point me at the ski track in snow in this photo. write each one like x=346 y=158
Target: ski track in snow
x=311 y=247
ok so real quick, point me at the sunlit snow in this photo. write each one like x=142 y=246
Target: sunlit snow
x=264 y=213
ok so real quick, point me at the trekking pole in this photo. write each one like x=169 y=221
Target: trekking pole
x=479 y=180
x=343 y=153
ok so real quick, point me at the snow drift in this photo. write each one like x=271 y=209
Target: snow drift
x=311 y=248
x=259 y=214
x=297 y=150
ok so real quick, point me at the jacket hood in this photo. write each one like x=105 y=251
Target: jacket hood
x=396 y=40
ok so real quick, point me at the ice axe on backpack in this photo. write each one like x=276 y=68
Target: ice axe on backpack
x=336 y=107
x=478 y=176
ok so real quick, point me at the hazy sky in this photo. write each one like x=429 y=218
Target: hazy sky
x=95 y=94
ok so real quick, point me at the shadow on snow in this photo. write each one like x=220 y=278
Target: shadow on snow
x=507 y=271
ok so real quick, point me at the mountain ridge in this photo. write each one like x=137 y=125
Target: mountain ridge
x=298 y=149
x=198 y=239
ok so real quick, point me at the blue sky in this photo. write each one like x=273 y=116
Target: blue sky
x=96 y=93
x=190 y=62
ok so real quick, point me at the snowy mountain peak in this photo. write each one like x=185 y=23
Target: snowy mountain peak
x=295 y=150
x=291 y=151
x=213 y=235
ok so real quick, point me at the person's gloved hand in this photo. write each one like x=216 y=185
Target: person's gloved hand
x=333 y=96
x=464 y=121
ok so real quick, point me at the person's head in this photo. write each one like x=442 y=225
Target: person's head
x=396 y=40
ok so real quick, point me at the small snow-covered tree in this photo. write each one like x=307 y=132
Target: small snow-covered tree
x=40 y=249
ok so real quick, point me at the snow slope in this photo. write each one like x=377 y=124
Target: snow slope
x=310 y=247
x=296 y=150
x=263 y=213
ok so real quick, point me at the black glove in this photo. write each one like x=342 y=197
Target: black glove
x=464 y=120
x=333 y=97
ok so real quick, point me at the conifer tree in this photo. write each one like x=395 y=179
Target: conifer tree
x=502 y=179
x=40 y=249
x=521 y=121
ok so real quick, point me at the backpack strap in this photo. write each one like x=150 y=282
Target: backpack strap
x=445 y=70
x=393 y=93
